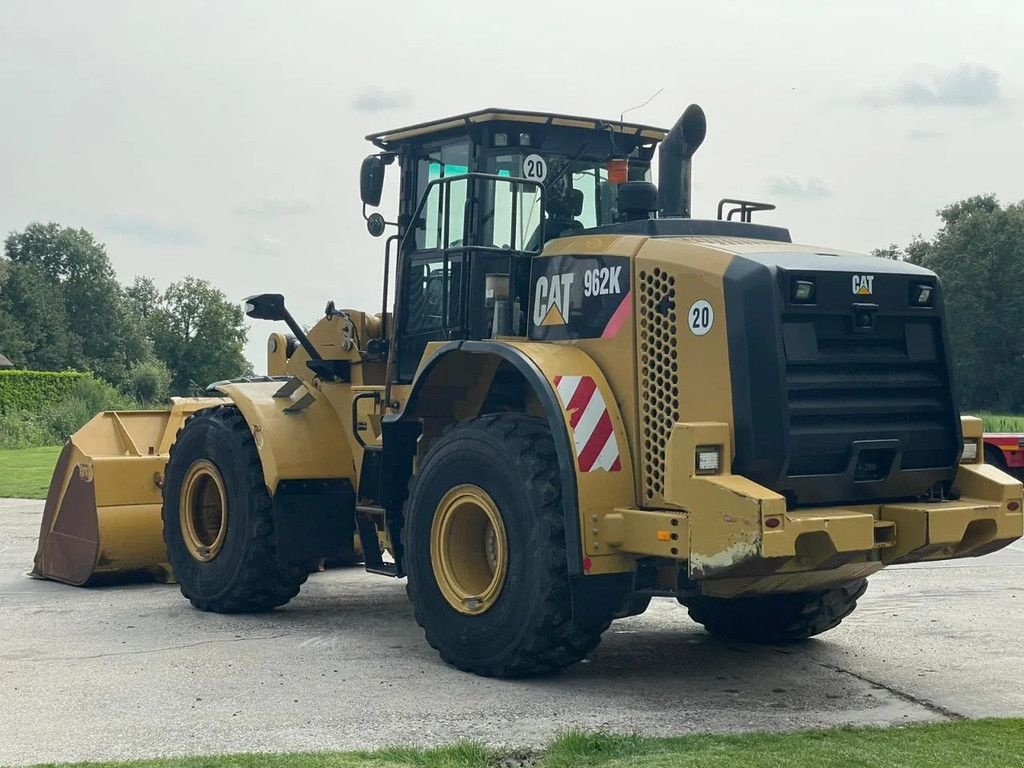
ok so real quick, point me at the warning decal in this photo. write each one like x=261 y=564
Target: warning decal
x=593 y=435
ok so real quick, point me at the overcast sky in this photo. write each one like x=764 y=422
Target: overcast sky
x=223 y=139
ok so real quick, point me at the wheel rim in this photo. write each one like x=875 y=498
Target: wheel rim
x=468 y=549
x=203 y=511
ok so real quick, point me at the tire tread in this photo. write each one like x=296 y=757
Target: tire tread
x=777 y=618
x=553 y=641
x=264 y=582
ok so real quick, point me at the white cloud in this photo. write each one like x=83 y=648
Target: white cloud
x=810 y=188
x=376 y=100
x=148 y=231
x=274 y=209
x=966 y=85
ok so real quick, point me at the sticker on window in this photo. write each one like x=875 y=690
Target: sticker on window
x=535 y=168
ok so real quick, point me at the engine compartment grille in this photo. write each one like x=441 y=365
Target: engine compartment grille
x=659 y=374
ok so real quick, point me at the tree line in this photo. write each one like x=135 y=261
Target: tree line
x=62 y=308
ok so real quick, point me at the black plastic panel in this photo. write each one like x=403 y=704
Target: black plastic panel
x=845 y=399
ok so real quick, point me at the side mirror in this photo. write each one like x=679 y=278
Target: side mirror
x=266 y=306
x=371 y=180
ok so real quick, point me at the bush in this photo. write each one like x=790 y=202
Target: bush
x=24 y=429
x=149 y=382
x=54 y=424
x=36 y=390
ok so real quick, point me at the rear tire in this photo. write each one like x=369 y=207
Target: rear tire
x=779 y=618
x=507 y=468
x=224 y=562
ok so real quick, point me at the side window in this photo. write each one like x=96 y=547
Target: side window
x=597 y=202
x=444 y=220
x=425 y=293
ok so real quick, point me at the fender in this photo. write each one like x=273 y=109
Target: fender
x=595 y=466
x=308 y=443
x=307 y=466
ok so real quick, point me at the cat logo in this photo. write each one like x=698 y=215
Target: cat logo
x=551 y=299
x=863 y=285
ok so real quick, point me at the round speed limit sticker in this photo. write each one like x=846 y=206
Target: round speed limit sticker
x=700 y=317
x=535 y=168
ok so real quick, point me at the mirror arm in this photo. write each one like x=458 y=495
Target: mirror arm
x=366 y=217
x=301 y=336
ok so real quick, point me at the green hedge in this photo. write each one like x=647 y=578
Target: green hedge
x=36 y=390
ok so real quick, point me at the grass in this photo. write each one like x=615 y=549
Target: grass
x=25 y=472
x=996 y=423
x=975 y=743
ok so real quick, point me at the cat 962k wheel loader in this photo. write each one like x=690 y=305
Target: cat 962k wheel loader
x=581 y=398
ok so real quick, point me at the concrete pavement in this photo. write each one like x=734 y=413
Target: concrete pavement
x=134 y=671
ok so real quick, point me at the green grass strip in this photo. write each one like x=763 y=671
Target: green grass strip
x=974 y=743
x=25 y=472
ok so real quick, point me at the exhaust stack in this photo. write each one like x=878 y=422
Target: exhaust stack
x=674 y=162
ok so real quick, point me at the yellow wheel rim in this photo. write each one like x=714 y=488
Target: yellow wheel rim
x=468 y=549
x=203 y=510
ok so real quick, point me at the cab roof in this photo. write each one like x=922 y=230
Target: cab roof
x=388 y=139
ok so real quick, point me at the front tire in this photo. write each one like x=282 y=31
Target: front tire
x=779 y=618
x=218 y=518
x=485 y=551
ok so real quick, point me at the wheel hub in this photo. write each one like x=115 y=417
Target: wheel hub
x=203 y=510
x=468 y=549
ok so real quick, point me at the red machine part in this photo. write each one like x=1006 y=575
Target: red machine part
x=1005 y=450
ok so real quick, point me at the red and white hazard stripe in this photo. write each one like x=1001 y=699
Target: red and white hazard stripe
x=596 y=446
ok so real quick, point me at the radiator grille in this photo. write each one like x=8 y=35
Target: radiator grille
x=892 y=386
x=659 y=374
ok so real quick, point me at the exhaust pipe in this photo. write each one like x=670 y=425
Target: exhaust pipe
x=674 y=162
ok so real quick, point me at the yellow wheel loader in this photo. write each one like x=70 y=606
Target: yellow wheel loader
x=579 y=398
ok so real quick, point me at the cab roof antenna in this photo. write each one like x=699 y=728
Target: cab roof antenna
x=639 y=106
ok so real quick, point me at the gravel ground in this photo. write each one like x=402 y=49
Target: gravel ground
x=134 y=671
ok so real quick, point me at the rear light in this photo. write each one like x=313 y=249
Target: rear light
x=970 y=452
x=1013 y=506
x=709 y=459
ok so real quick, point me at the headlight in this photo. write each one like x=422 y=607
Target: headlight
x=802 y=291
x=921 y=295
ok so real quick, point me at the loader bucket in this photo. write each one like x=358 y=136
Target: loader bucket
x=102 y=515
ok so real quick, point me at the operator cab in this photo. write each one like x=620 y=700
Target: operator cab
x=481 y=193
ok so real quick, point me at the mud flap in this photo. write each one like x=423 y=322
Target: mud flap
x=314 y=519
x=595 y=598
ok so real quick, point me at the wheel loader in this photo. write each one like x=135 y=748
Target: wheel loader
x=580 y=397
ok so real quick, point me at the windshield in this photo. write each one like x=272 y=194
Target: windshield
x=579 y=194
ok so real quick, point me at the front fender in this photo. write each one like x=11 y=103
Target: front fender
x=586 y=425
x=307 y=443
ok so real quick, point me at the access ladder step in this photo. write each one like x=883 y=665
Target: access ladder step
x=368 y=517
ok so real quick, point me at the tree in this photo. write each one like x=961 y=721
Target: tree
x=199 y=334
x=34 y=328
x=978 y=254
x=142 y=297
x=102 y=336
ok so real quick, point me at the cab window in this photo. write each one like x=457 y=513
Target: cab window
x=439 y=230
